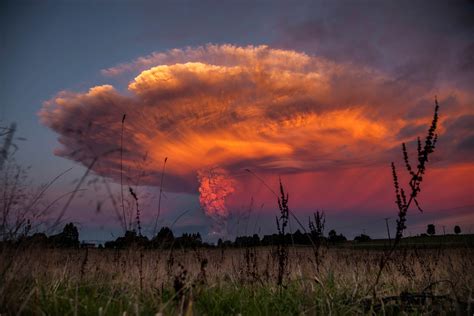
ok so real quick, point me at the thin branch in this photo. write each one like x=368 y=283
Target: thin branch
x=159 y=198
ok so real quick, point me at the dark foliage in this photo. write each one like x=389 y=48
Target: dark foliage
x=164 y=238
x=129 y=240
x=362 y=238
x=334 y=238
x=247 y=241
x=431 y=229
x=457 y=229
x=68 y=238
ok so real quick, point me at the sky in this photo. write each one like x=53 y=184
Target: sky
x=237 y=95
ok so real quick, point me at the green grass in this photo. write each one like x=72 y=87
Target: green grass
x=90 y=299
x=60 y=282
x=293 y=299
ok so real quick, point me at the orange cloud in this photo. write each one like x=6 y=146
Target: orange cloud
x=234 y=107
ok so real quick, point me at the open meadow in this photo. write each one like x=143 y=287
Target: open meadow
x=233 y=281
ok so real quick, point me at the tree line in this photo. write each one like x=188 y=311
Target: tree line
x=69 y=238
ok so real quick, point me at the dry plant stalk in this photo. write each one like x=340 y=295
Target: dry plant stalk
x=282 y=247
x=402 y=201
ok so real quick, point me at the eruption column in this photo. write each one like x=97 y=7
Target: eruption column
x=214 y=186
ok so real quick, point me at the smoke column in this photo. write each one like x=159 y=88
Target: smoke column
x=215 y=186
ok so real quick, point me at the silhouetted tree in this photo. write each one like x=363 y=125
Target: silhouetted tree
x=247 y=241
x=335 y=238
x=38 y=240
x=431 y=230
x=189 y=240
x=457 y=229
x=164 y=238
x=129 y=240
x=299 y=238
x=165 y=233
x=362 y=238
x=69 y=238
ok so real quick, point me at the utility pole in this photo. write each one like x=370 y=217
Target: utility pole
x=444 y=230
x=388 y=230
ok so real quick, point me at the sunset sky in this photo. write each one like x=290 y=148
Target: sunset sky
x=320 y=94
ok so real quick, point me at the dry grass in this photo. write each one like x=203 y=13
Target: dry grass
x=75 y=281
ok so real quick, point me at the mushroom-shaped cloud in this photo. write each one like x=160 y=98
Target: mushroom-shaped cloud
x=234 y=107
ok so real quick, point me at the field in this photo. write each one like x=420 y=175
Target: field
x=235 y=281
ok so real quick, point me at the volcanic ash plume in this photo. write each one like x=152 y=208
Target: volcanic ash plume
x=215 y=186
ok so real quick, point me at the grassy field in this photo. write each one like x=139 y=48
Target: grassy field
x=235 y=281
x=434 y=242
